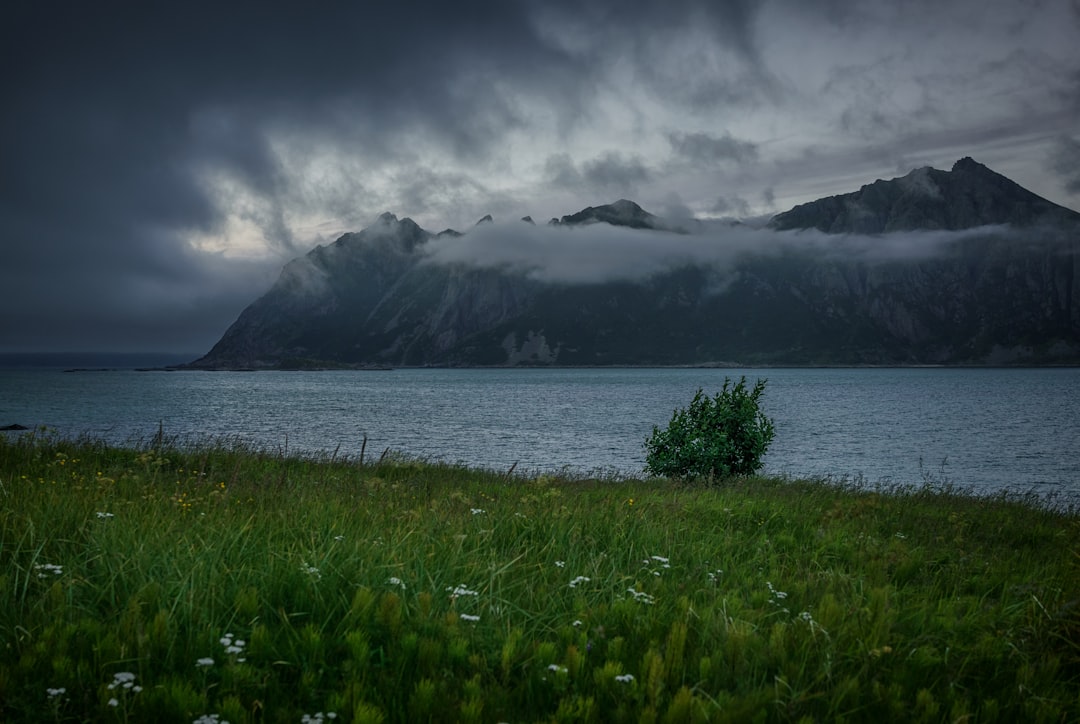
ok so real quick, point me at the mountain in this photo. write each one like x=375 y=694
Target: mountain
x=935 y=267
x=971 y=195
x=620 y=213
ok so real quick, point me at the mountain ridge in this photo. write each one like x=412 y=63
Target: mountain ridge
x=969 y=195
x=1000 y=290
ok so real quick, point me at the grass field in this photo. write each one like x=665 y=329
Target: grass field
x=228 y=584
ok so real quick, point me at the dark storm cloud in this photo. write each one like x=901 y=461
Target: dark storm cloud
x=117 y=113
x=440 y=194
x=114 y=114
x=562 y=172
x=903 y=102
x=138 y=139
x=614 y=170
x=697 y=54
x=705 y=149
x=1065 y=162
x=609 y=172
x=732 y=205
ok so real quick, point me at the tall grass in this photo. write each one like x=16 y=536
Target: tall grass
x=229 y=584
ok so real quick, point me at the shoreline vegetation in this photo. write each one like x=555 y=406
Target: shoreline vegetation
x=224 y=583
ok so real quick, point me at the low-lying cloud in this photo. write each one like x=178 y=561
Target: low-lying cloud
x=600 y=252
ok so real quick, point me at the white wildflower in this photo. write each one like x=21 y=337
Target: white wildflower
x=560 y=564
x=557 y=669
x=461 y=590
x=579 y=580
x=814 y=625
x=105 y=515
x=477 y=511
x=44 y=569
x=317 y=717
x=641 y=596
x=625 y=678
x=661 y=560
x=205 y=661
x=395 y=581
x=123 y=679
x=53 y=693
x=233 y=645
x=469 y=617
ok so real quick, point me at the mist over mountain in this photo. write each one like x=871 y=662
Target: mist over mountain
x=935 y=267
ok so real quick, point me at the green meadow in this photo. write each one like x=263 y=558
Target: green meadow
x=221 y=583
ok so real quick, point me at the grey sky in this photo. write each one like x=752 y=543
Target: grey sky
x=159 y=164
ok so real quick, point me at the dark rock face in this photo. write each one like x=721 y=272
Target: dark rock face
x=969 y=196
x=620 y=213
x=1005 y=294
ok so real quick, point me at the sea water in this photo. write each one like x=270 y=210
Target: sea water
x=979 y=429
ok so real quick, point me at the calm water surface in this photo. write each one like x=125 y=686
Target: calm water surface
x=982 y=429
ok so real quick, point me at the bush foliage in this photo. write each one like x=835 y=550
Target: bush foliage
x=715 y=437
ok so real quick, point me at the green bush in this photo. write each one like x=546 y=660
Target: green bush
x=714 y=437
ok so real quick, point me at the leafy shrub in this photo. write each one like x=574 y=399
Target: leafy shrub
x=715 y=437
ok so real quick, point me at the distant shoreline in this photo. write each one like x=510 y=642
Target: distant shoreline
x=704 y=366
x=76 y=362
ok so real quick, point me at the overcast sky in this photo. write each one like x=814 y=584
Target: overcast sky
x=158 y=165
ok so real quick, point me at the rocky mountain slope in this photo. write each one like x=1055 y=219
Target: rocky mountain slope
x=935 y=267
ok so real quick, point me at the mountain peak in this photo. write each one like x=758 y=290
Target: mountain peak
x=627 y=206
x=967 y=163
x=388 y=228
x=968 y=196
x=621 y=213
